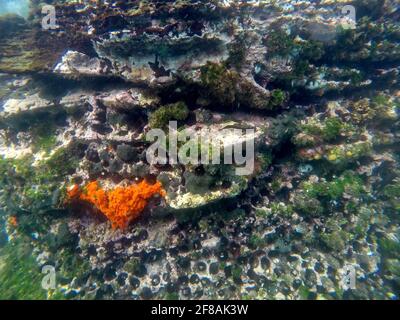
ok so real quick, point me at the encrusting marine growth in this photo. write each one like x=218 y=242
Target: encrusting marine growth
x=120 y=205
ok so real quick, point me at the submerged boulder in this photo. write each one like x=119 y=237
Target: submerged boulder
x=16 y=111
x=79 y=64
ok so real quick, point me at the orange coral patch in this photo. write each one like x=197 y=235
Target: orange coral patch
x=13 y=221
x=73 y=192
x=122 y=204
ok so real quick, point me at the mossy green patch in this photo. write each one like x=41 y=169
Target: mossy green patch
x=220 y=82
x=279 y=43
x=313 y=197
x=278 y=97
x=347 y=183
x=335 y=241
x=237 y=53
x=328 y=129
x=255 y=241
x=282 y=209
x=44 y=137
x=20 y=276
x=39 y=188
x=389 y=247
x=237 y=273
x=160 y=118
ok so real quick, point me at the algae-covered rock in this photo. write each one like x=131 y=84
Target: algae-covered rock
x=160 y=118
x=277 y=163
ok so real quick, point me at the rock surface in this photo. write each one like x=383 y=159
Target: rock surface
x=318 y=94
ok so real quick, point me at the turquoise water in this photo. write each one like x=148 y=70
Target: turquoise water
x=20 y=7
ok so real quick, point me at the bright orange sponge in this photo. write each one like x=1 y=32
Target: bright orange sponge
x=120 y=205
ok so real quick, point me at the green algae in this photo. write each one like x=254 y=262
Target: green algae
x=44 y=138
x=132 y=265
x=160 y=118
x=63 y=161
x=335 y=241
x=278 y=97
x=334 y=189
x=36 y=189
x=313 y=195
x=282 y=209
x=224 y=87
x=27 y=48
x=389 y=247
x=220 y=81
x=366 y=43
x=237 y=52
x=376 y=111
x=256 y=241
x=20 y=276
x=329 y=129
x=280 y=43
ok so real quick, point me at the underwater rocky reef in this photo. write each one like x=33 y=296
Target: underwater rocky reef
x=319 y=90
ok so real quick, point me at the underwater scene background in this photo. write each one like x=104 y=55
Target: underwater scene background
x=84 y=215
